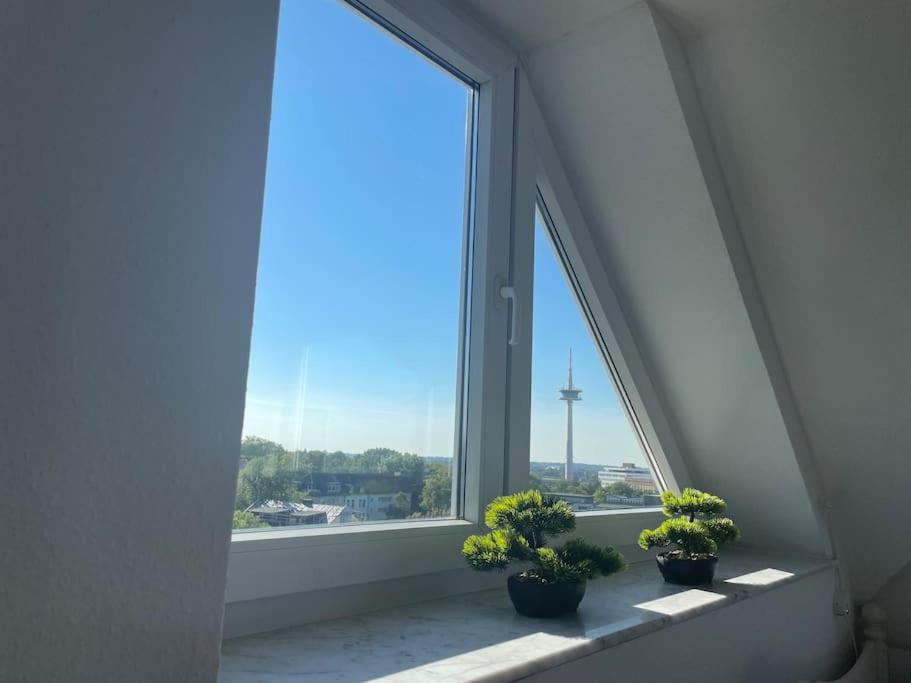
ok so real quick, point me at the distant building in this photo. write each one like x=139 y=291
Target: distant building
x=640 y=478
x=577 y=501
x=337 y=484
x=280 y=513
x=337 y=514
x=366 y=506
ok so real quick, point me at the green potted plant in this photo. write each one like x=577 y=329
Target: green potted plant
x=695 y=527
x=555 y=582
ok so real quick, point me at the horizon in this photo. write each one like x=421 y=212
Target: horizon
x=426 y=456
x=371 y=356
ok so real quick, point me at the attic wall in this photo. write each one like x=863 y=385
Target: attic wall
x=610 y=103
x=133 y=140
x=809 y=105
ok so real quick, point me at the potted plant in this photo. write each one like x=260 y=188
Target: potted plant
x=695 y=527
x=555 y=583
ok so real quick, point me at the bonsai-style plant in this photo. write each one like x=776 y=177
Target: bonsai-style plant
x=696 y=529
x=555 y=582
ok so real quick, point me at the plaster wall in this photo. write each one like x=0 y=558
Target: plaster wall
x=132 y=156
x=809 y=106
x=788 y=634
x=609 y=98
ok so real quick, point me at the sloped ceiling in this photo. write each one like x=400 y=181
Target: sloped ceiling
x=614 y=113
x=807 y=105
x=530 y=24
x=527 y=24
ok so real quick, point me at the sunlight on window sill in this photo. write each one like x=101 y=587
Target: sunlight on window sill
x=764 y=577
x=681 y=603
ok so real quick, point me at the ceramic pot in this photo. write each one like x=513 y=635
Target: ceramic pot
x=533 y=599
x=687 y=572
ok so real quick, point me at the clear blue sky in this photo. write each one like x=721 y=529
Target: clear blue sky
x=356 y=322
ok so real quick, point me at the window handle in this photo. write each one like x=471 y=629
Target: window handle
x=509 y=293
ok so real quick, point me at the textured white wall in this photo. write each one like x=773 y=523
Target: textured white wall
x=809 y=104
x=132 y=157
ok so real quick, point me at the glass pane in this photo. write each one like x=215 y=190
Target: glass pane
x=583 y=447
x=351 y=393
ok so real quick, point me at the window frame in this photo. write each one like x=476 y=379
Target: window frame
x=447 y=39
x=514 y=161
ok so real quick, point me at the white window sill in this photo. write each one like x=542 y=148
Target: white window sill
x=266 y=564
x=268 y=539
x=478 y=637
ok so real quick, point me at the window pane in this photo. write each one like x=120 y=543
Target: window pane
x=583 y=447
x=352 y=387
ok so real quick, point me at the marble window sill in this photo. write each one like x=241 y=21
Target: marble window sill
x=479 y=637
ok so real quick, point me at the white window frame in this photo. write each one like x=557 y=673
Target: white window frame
x=514 y=161
x=270 y=563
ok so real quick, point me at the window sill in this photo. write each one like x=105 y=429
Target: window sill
x=478 y=637
x=267 y=564
x=251 y=541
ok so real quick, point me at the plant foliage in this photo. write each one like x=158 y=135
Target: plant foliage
x=521 y=523
x=694 y=525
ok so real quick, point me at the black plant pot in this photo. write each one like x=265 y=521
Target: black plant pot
x=687 y=572
x=533 y=599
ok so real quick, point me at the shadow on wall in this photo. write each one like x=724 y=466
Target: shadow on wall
x=896 y=596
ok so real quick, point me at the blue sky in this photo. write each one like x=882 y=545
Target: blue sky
x=355 y=327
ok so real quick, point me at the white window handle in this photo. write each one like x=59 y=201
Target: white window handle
x=509 y=293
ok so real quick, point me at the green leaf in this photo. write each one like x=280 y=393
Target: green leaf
x=690 y=537
x=721 y=529
x=495 y=550
x=692 y=502
x=550 y=567
x=531 y=515
x=591 y=559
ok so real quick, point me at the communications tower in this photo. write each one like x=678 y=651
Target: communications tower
x=570 y=394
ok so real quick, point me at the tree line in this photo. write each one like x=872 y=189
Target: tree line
x=272 y=473
x=587 y=485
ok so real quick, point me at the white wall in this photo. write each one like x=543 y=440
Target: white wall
x=132 y=157
x=809 y=104
x=787 y=634
x=610 y=101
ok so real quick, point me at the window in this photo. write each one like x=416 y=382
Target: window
x=391 y=362
x=583 y=446
x=353 y=390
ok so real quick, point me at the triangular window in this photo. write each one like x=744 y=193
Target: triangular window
x=584 y=446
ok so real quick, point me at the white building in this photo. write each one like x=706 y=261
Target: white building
x=639 y=478
x=365 y=506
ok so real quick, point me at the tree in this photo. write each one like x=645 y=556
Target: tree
x=520 y=527
x=264 y=478
x=590 y=483
x=563 y=486
x=256 y=447
x=620 y=488
x=436 y=496
x=536 y=483
x=400 y=507
x=694 y=525
x=247 y=520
